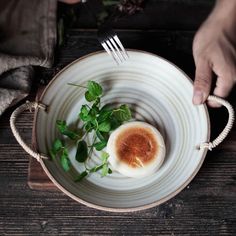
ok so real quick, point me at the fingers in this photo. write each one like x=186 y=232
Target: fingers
x=222 y=89
x=202 y=82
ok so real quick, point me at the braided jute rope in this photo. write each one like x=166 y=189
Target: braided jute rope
x=228 y=126
x=17 y=112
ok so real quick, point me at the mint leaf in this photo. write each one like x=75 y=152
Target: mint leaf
x=105 y=170
x=95 y=109
x=64 y=129
x=102 y=136
x=106 y=107
x=94 y=88
x=82 y=151
x=56 y=147
x=65 y=161
x=84 y=111
x=89 y=97
x=104 y=166
x=89 y=126
x=104 y=157
x=93 y=112
x=104 y=126
x=115 y=123
x=104 y=115
x=123 y=113
x=71 y=134
x=99 y=135
x=61 y=125
x=100 y=145
x=97 y=102
x=81 y=176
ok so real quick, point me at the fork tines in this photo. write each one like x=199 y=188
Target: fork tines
x=113 y=46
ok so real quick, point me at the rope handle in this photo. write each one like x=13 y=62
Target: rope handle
x=26 y=106
x=35 y=105
x=228 y=126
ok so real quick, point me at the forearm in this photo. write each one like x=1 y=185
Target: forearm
x=225 y=12
x=225 y=6
x=221 y=21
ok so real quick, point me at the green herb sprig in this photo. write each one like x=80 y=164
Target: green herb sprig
x=97 y=120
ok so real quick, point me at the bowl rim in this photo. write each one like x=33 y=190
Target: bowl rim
x=110 y=209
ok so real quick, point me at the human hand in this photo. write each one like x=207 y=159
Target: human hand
x=214 y=51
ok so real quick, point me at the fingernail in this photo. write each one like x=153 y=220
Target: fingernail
x=197 y=97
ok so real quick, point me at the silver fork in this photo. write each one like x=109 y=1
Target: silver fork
x=107 y=37
x=112 y=44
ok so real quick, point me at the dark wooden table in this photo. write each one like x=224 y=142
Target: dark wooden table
x=206 y=207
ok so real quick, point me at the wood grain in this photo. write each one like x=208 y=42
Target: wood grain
x=37 y=179
x=206 y=207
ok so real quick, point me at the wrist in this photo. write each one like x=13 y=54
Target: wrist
x=225 y=11
x=223 y=17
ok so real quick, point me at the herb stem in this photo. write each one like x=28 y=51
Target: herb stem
x=90 y=151
x=82 y=138
x=114 y=110
x=96 y=124
x=91 y=148
x=88 y=106
x=77 y=85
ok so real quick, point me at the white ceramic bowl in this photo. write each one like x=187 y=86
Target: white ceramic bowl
x=159 y=93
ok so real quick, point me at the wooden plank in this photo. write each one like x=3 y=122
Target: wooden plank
x=37 y=179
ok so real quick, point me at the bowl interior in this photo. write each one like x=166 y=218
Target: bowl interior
x=158 y=93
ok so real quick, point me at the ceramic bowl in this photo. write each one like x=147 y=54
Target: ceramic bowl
x=159 y=93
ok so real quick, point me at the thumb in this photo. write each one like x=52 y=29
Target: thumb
x=202 y=82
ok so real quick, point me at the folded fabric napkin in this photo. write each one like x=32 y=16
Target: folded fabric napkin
x=27 y=38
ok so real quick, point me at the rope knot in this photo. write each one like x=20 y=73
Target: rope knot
x=38 y=157
x=35 y=105
x=209 y=146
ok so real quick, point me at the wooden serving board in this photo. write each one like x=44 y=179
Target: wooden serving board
x=37 y=179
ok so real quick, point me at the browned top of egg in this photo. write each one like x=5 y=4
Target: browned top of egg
x=136 y=146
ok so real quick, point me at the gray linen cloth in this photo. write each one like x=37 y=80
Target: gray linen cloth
x=27 y=38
